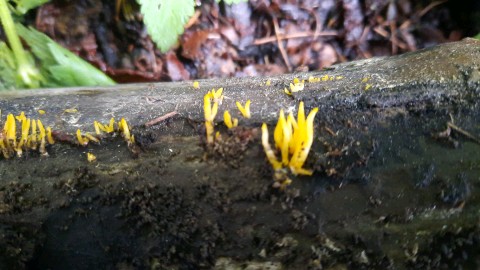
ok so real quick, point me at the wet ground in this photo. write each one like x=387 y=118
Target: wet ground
x=390 y=191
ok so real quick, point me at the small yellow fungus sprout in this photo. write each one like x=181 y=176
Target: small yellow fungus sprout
x=125 y=130
x=368 y=86
x=72 y=110
x=268 y=82
x=20 y=117
x=90 y=137
x=312 y=79
x=229 y=122
x=196 y=85
x=81 y=140
x=216 y=96
x=91 y=157
x=366 y=79
x=293 y=138
x=41 y=112
x=99 y=128
x=11 y=131
x=245 y=111
x=24 y=138
x=295 y=86
x=32 y=142
x=42 y=138
x=49 y=136
x=339 y=77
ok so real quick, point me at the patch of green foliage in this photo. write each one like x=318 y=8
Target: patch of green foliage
x=165 y=20
x=59 y=66
x=56 y=65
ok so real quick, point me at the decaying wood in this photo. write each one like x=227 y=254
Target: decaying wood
x=429 y=77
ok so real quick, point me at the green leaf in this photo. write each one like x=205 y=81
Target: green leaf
x=7 y=68
x=60 y=66
x=165 y=19
x=23 y=6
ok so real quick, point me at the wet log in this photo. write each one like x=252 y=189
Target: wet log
x=447 y=73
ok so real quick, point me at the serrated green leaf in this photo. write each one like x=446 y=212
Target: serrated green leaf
x=60 y=66
x=165 y=20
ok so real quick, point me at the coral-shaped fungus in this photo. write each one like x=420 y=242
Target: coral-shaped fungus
x=33 y=135
x=293 y=139
x=245 y=111
x=210 y=111
x=229 y=122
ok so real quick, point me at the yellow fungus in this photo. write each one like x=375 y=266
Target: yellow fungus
x=96 y=125
x=32 y=142
x=42 y=138
x=11 y=131
x=209 y=131
x=107 y=129
x=49 y=136
x=296 y=86
x=41 y=112
x=82 y=141
x=339 y=77
x=268 y=150
x=368 y=86
x=196 y=85
x=244 y=110
x=293 y=138
x=90 y=137
x=20 y=117
x=229 y=122
x=364 y=80
x=268 y=82
x=91 y=157
x=125 y=130
x=72 y=110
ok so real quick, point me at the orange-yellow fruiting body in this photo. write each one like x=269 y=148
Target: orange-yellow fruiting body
x=268 y=150
x=245 y=111
x=49 y=136
x=196 y=85
x=229 y=122
x=11 y=131
x=82 y=141
x=96 y=125
x=293 y=139
x=91 y=157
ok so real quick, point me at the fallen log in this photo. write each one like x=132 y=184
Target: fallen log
x=395 y=182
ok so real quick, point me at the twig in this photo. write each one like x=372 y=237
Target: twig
x=280 y=45
x=463 y=132
x=160 y=119
x=293 y=36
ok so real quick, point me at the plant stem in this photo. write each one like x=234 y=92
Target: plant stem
x=28 y=73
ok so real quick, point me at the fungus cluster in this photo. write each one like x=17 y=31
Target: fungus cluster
x=20 y=134
x=210 y=111
x=293 y=139
x=33 y=135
